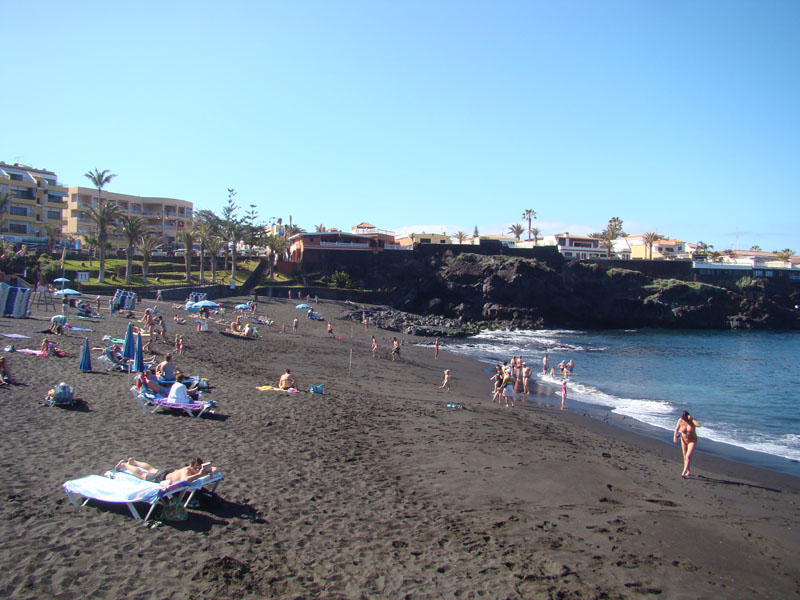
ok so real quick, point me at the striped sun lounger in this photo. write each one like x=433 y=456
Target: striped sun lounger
x=151 y=402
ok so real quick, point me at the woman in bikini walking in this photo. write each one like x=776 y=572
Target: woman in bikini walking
x=686 y=427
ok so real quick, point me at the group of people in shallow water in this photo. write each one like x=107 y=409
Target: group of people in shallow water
x=513 y=378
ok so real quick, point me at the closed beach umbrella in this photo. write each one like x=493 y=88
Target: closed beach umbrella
x=138 y=359
x=128 y=348
x=86 y=358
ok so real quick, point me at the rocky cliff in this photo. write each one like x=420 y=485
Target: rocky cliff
x=472 y=290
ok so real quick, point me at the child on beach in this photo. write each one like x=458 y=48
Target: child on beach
x=374 y=347
x=446 y=382
x=563 y=393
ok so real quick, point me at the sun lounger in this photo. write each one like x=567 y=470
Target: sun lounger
x=108 y=358
x=121 y=489
x=120 y=486
x=152 y=403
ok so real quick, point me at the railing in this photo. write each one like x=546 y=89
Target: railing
x=396 y=247
x=374 y=231
x=345 y=244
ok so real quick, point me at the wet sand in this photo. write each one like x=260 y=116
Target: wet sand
x=375 y=489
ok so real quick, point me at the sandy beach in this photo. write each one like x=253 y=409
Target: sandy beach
x=375 y=489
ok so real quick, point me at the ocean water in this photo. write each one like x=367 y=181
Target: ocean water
x=741 y=386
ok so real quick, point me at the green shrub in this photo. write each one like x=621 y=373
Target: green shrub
x=340 y=279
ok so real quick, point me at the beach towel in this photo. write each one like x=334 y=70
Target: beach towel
x=121 y=489
x=68 y=326
x=269 y=388
x=15 y=336
x=34 y=352
x=315 y=389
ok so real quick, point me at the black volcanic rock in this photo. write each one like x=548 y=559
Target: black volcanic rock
x=466 y=291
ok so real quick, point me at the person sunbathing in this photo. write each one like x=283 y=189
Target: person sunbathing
x=49 y=347
x=147 y=381
x=194 y=470
x=287 y=381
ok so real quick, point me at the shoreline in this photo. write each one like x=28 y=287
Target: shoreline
x=604 y=414
x=374 y=489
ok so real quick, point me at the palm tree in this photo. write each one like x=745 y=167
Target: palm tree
x=133 y=228
x=460 y=236
x=516 y=230
x=203 y=231
x=755 y=248
x=214 y=244
x=703 y=248
x=104 y=215
x=276 y=245
x=785 y=255
x=5 y=198
x=320 y=228
x=651 y=238
x=186 y=237
x=529 y=214
x=535 y=231
x=148 y=242
x=293 y=230
x=52 y=232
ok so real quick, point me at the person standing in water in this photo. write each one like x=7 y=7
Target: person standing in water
x=686 y=427
x=436 y=348
x=563 y=393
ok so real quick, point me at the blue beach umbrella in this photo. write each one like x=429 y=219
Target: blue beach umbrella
x=302 y=306
x=128 y=348
x=67 y=292
x=242 y=307
x=138 y=359
x=86 y=357
x=205 y=304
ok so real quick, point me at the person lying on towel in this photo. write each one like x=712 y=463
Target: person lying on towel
x=194 y=470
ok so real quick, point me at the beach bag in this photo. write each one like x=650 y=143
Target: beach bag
x=174 y=510
x=316 y=389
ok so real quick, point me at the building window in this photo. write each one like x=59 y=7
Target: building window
x=53 y=215
x=16 y=177
x=425 y=240
x=17 y=228
x=18 y=211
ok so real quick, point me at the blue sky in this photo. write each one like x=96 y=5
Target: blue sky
x=677 y=117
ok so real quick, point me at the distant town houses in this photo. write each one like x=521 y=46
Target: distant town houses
x=39 y=211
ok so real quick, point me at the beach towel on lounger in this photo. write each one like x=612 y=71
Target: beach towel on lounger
x=120 y=490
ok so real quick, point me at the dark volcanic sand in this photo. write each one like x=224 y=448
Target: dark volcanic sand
x=375 y=489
